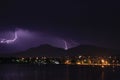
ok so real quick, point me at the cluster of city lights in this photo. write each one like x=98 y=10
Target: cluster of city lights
x=77 y=60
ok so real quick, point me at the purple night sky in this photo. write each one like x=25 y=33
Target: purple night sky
x=52 y=22
x=27 y=39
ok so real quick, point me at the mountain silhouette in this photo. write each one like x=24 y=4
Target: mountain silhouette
x=51 y=51
x=92 y=50
x=43 y=50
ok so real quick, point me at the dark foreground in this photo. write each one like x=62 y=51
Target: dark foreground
x=57 y=72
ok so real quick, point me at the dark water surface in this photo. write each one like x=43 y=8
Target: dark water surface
x=57 y=72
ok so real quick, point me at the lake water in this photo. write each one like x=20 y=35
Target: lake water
x=57 y=72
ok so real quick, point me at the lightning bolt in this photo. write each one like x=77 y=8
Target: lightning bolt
x=9 y=41
x=65 y=43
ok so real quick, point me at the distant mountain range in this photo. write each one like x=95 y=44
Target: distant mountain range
x=43 y=50
x=48 y=50
x=93 y=50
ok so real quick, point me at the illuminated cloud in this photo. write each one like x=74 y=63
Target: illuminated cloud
x=22 y=39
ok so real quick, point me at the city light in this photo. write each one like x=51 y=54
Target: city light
x=67 y=62
x=77 y=60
